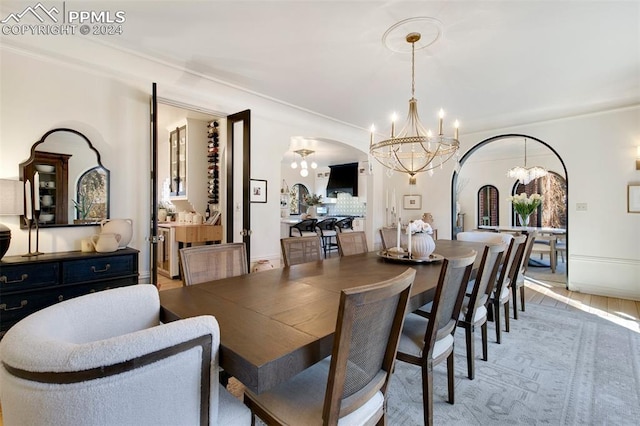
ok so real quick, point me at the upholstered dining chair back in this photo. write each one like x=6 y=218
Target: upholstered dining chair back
x=350 y=243
x=296 y=250
x=105 y=359
x=213 y=262
x=304 y=228
x=355 y=381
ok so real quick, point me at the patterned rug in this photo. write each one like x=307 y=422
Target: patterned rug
x=555 y=367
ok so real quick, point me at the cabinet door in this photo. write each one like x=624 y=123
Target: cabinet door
x=53 y=170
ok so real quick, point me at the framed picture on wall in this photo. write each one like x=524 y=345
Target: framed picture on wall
x=258 y=190
x=633 y=198
x=412 y=202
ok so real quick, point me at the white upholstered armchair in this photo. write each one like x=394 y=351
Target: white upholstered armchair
x=105 y=359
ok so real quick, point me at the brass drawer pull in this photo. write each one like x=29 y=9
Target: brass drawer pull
x=106 y=268
x=3 y=307
x=4 y=279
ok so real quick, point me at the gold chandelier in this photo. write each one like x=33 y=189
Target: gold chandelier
x=526 y=174
x=304 y=168
x=414 y=149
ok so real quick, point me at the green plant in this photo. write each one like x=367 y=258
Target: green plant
x=83 y=205
x=312 y=199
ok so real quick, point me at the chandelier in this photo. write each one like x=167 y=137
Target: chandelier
x=304 y=153
x=414 y=149
x=526 y=174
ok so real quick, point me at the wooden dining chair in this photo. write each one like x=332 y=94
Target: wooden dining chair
x=349 y=387
x=524 y=267
x=389 y=237
x=502 y=292
x=475 y=303
x=350 y=243
x=428 y=341
x=296 y=250
x=212 y=262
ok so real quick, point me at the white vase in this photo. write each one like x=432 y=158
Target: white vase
x=262 y=265
x=312 y=211
x=422 y=245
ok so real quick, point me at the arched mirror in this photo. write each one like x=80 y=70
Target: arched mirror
x=488 y=206
x=72 y=184
x=296 y=202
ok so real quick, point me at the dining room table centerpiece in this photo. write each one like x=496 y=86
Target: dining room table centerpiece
x=420 y=241
x=525 y=205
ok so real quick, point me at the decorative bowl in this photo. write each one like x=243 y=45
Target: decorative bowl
x=45 y=168
x=47 y=217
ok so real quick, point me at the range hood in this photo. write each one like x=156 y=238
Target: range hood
x=343 y=178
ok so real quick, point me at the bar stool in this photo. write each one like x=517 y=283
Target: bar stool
x=326 y=230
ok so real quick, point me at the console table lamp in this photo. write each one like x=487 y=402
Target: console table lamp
x=11 y=204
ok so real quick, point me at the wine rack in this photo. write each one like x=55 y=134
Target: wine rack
x=213 y=158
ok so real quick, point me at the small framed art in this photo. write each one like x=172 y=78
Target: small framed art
x=258 y=190
x=412 y=202
x=633 y=198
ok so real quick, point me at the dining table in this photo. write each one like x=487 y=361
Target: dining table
x=278 y=322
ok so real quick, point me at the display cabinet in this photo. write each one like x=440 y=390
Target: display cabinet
x=53 y=191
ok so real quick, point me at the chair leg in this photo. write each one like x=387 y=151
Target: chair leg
x=468 y=333
x=450 y=376
x=514 y=296
x=506 y=316
x=485 y=343
x=427 y=395
x=522 y=298
x=496 y=311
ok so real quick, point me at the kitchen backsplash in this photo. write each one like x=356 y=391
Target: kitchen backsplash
x=346 y=205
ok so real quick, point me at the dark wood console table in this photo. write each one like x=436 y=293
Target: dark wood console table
x=28 y=284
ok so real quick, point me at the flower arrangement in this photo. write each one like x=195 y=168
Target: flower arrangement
x=419 y=226
x=525 y=205
x=312 y=199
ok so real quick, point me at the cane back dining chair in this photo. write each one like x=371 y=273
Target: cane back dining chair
x=296 y=250
x=212 y=262
x=350 y=243
x=524 y=267
x=428 y=341
x=502 y=291
x=350 y=386
x=474 y=305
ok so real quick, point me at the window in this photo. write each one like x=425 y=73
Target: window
x=91 y=195
x=552 y=213
x=296 y=203
x=488 y=206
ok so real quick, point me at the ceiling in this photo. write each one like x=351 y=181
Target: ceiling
x=496 y=64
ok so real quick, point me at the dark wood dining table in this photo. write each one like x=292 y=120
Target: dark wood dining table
x=276 y=323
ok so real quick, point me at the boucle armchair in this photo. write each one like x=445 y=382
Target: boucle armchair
x=105 y=359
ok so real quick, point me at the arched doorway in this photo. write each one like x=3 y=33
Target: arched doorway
x=486 y=164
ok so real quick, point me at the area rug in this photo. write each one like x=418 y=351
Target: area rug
x=555 y=367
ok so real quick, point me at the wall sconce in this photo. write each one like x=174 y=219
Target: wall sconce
x=638 y=158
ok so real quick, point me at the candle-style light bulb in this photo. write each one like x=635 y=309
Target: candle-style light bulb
x=441 y=115
x=394 y=117
x=456 y=126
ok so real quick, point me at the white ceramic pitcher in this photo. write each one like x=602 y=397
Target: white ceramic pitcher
x=124 y=227
x=106 y=242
